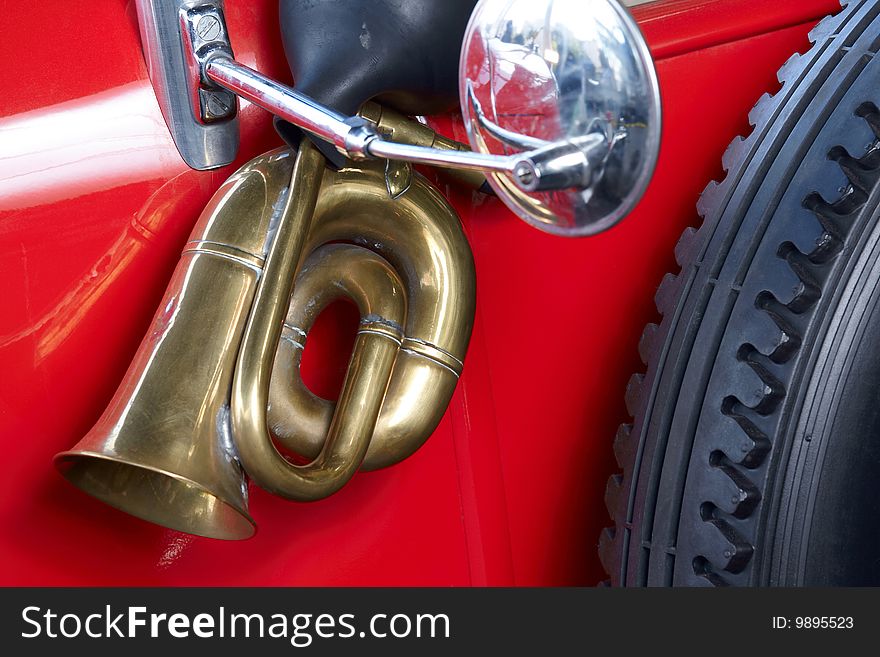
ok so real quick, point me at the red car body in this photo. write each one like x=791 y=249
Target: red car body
x=96 y=203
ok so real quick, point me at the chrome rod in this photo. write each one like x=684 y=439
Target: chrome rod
x=554 y=166
x=283 y=101
x=335 y=128
x=442 y=158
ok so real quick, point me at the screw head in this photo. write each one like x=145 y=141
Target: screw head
x=216 y=105
x=208 y=28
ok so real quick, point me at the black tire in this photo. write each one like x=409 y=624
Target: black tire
x=754 y=454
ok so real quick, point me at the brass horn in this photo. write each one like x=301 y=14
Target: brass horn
x=190 y=416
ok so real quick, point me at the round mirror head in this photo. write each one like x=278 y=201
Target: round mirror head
x=575 y=80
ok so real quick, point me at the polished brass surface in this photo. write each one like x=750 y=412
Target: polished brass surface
x=190 y=417
x=419 y=234
x=330 y=272
x=162 y=449
x=348 y=434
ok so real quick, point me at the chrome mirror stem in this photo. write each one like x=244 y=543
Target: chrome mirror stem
x=358 y=138
x=196 y=79
x=349 y=135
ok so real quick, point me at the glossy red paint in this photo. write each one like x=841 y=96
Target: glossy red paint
x=95 y=205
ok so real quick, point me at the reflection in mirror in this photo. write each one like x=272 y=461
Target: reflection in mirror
x=574 y=80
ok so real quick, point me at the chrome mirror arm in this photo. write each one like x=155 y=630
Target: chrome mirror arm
x=553 y=166
x=191 y=65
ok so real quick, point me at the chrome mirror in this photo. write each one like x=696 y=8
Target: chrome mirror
x=570 y=84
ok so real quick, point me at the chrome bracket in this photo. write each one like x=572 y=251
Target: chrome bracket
x=179 y=37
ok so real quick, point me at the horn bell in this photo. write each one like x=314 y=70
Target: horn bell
x=162 y=450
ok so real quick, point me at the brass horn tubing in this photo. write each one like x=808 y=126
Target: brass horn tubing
x=364 y=387
x=227 y=251
x=412 y=408
x=334 y=271
x=420 y=235
x=331 y=272
x=416 y=400
x=299 y=418
x=240 y=218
